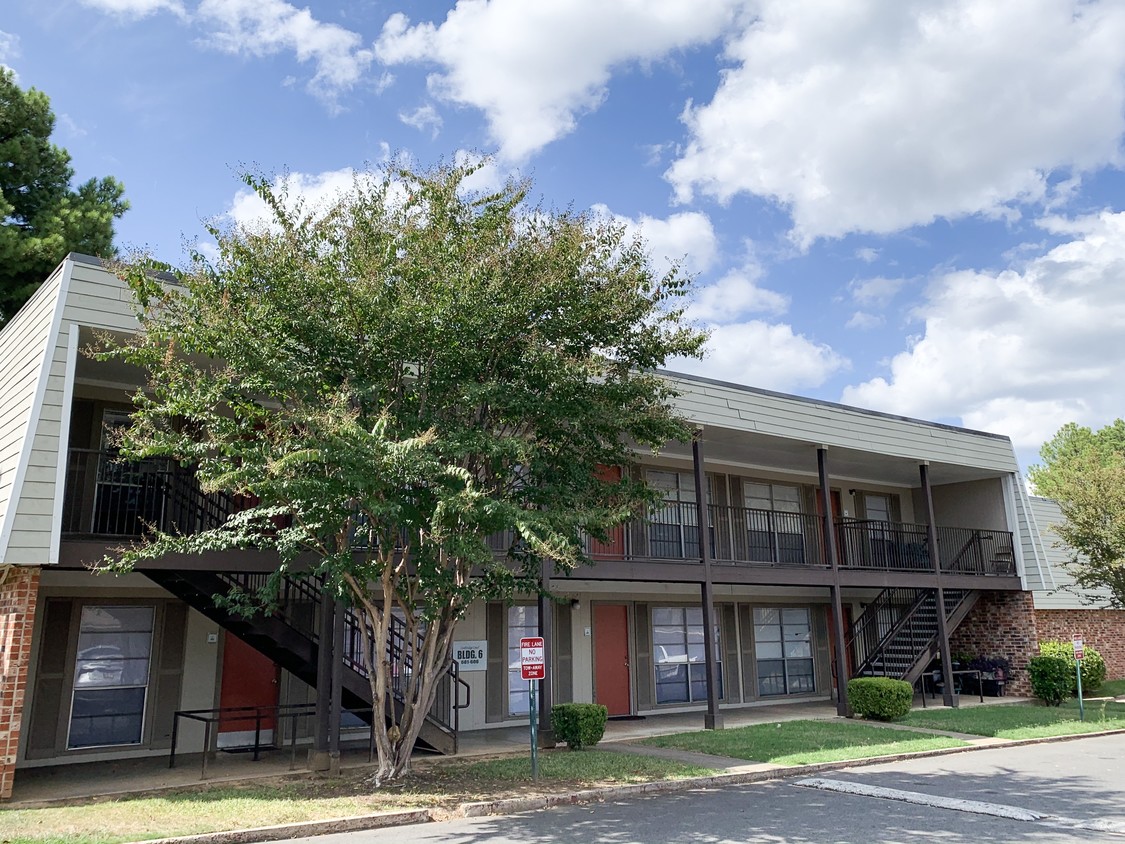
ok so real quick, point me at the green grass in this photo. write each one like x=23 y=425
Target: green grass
x=443 y=785
x=805 y=742
x=1022 y=720
x=588 y=766
x=1112 y=688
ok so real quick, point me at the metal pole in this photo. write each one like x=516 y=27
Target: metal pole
x=534 y=731
x=838 y=632
x=1081 y=705
x=935 y=558
x=712 y=719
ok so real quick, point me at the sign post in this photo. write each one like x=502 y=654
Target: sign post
x=533 y=667
x=1079 y=652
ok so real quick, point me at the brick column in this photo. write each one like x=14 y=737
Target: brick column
x=18 y=591
x=1001 y=624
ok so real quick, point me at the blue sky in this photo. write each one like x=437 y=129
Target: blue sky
x=916 y=208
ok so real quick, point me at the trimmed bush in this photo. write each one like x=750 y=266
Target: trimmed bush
x=1093 y=666
x=880 y=698
x=1051 y=678
x=579 y=724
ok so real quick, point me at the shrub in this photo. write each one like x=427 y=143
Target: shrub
x=880 y=698
x=1051 y=678
x=579 y=724
x=1093 y=666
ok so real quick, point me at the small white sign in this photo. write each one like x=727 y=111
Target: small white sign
x=1078 y=650
x=471 y=656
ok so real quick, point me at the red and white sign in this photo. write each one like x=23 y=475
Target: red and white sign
x=1078 y=647
x=533 y=662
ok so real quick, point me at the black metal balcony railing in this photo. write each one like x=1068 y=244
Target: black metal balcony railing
x=109 y=497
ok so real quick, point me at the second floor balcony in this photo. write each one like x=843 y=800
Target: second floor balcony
x=107 y=498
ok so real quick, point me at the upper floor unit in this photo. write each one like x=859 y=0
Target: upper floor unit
x=65 y=498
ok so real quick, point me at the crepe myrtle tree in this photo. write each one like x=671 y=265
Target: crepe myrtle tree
x=394 y=379
x=1084 y=470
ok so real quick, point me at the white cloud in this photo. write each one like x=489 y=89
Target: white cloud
x=533 y=68
x=267 y=27
x=314 y=190
x=864 y=321
x=1019 y=351
x=867 y=254
x=875 y=291
x=424 y=118
x=9 y=46
x=759 y=354
x=735 y=296
x=688 y=237
x=137 y=8
x=869 y=116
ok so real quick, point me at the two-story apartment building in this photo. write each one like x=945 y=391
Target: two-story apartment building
x=831 y=535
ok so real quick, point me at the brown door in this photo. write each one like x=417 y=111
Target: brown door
x=611 y=658
x=249 y=680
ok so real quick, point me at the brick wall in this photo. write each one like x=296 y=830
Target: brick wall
x=1001 y=624
x=1103 y=630
x=17 y=617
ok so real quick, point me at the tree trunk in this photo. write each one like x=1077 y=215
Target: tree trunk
x=404 y=677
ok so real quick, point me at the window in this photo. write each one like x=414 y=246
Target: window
x=774 y=522
x=110 y=676
x=679 y=656
x=673 y=530
x=522 y=621
x=783 y=651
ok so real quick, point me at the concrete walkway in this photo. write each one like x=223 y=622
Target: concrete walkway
x=64 y=783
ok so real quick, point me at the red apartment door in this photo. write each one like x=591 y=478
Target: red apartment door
x=249 y=680
x=611 y=658
x=614 y=548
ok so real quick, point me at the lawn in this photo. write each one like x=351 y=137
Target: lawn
x=1022 y=720
x=443 y=786
x=805 y=742
x=1111 y=688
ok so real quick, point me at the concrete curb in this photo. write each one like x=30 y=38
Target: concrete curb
x=301 y=829
x=512 y=805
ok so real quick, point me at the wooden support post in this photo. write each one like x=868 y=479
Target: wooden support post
x=713 y=719
x=939 y=597
x=318 y=755
x=337 y=680
x=838 y=632
x=547 y=631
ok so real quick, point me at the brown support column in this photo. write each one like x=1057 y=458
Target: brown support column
x=318 y=754
x=547 y=631
x=943 y=630
x=337 y=695
x=19 y=591
x=713 y=719
x=829 y=528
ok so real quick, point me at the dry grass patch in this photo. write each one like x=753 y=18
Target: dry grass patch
x=442 y=786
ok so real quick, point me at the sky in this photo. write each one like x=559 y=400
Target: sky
x=917 y=208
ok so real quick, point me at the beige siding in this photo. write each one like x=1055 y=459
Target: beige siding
x=975 y=504
x=1047 y=514
x=790 y=417
x=23 y=345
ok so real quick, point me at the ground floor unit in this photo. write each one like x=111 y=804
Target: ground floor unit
x=103 y=667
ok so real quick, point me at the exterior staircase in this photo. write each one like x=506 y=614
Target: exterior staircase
x=897 y=634
x=290 y=637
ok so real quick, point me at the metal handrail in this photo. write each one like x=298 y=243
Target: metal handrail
x=258 y=714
